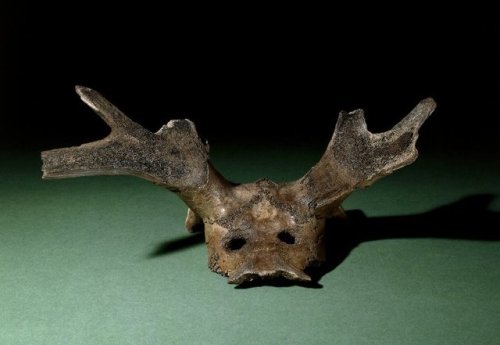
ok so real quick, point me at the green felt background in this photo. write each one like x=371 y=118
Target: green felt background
x=77 y=264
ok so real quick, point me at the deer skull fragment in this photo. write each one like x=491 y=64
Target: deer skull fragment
x=256 y=230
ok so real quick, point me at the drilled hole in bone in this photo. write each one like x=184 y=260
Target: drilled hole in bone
x=285 y=236
x=236 y=243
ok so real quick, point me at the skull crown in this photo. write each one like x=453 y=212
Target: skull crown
x=257 y=230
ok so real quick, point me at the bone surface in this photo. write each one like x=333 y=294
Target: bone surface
x=261 y=230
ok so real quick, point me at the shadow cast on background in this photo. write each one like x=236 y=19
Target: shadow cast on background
x=468 y=219
x=177 y=244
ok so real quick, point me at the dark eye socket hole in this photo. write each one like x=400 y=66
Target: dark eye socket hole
x=236 y=243
x=285 y=236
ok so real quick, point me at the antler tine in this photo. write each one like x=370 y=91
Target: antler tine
x=355 y=158
x=174 y=157
x=114 y=117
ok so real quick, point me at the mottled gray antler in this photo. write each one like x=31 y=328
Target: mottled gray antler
x=174 y=157
x=355 y=157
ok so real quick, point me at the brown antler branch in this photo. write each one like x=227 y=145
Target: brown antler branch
x=174 y=157
x=355 y=157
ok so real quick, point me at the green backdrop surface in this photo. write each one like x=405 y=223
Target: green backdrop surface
x=106 y=260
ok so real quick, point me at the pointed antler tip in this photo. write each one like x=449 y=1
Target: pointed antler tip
x=89 y=96
x=82 y=90
x=429 y=102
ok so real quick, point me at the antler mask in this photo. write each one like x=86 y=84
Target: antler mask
x=256 y=230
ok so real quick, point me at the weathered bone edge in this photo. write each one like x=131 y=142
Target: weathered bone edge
x=257 y=230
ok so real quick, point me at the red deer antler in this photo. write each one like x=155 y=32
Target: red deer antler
x=255 y=230
x=355 y=158
x=174 y=157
